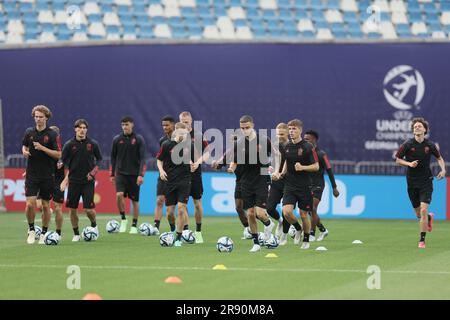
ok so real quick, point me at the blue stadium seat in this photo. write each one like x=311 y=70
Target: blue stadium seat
x=355 y=34
x=32 y=27
x=179 y=33
x=47 y=27
x=204 y=12
x=123 y=9
x=259 y=33
x=220 y=12
x=269 y=14
x=203 y=3
x=31 y=36
x=240 y=23
x=129 y=29
x=209 y=21
x=415 y=17
x=95 y=18
x=25 y=7
x=350 y=16
x=284 y=4
x=63 y=37
x=435 y=26
x=30 y=17
x=146 y=33
x=142 y=21
x=253 y=14
x=340 y=34
x=301 y=4
x=285 y=14
x=429 y=7
x=354 y=26
x=191 y=22
x=308 y=35
x=139 y=8
x=273 y=25
x=195 y=31
x=321 y=25
x=236 y=3
x=188 y=12
x=176 y=22
x=292 y=34
x=333 y=4
x=289 y=25
x=445 y=6
x=158 y=20
x=301 y=14
x=337 y=27
x=276 y=34
x=317 y=4
x=13 y=15
x=374 y=35
x=317 y=15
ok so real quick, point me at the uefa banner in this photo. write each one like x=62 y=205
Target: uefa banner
x=371 y=197
x=359 y=97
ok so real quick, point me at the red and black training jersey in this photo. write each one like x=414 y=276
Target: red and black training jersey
x=81 y=157
x=40 y=165
x=198 y=146
x=128 y=155
x=412 y=150
x=324 y=164
x=304 y=153
x=177 y=168
x=253 y=157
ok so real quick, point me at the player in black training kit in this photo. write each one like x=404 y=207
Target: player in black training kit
x=168 y=125
x=318 y=184
x=253 y=151
x=199 y=154
x=128 y=165
x=277 y=185
x=301 y=160
x=42 y=147
x=80 y=156
x=239 y=203
x=174 y=168
x=416 y=154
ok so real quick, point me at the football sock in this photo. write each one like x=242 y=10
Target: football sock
x=93 y=224
x=31 y=226
x=186 y=227
x=44 y=230
x=297 y=226
x=306 y=237
x=122 y=215
x=58 y=232
x=76 y=231
x=422 y=236
x=266 y=223
x=255 y=238
x=321 y=227
x=157 y=222
x=286 y=225
x=178 y=236
x=134 y=223
x=172 y=227
x=199 y=227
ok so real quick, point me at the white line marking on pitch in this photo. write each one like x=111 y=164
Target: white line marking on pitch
x=229 y=269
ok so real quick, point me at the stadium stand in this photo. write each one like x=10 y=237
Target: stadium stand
x=44 y=21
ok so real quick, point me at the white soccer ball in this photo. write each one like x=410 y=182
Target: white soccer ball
x=90 y=234
x=146 y=229
x=261 y=238
x=166 y=239
x=225 y=244
x=38 y=232
x=51 y=238
x=112 y=226
x=247 y=233
x=292 y=231
x=188 y=236
x=272 y=243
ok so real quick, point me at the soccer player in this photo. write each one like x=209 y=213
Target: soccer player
x=57 y=195
x=42 y=147
x=301 y=159
x=168 y=126
x=277 y=186
x=80 y=156
x=253 y=151
x=415 y=154
x=318 y=184
x=239 y=203
x=128 y=165
x=199 y=154
x=174 y=168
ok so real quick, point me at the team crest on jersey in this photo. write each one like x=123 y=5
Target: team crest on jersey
x=133 y=141
x=413 y=149
x=121 y=142
x=45 y=139
x=427 y=149
x=300 y=151
x=89 y=147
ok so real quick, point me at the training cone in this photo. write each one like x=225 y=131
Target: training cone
x=271 y=255
x=173 y=280
x=321 y=249
x=219 y=267
x=357 y=242
x=92 y=296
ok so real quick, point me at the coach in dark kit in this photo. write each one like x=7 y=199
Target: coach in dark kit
x=128 y=165
x=80 y=156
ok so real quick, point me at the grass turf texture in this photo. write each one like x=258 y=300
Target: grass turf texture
x=124 y=266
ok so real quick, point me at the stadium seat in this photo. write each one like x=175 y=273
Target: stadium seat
x=324 y=34
x=211 y=32
x=155 y=10
x=397 y=6
x=349 y=5
x=162 y=31
x=244 y=33
x=236 y=13
x=333 y=16
x=419 y=28
x=305 y=25
x=268 y=4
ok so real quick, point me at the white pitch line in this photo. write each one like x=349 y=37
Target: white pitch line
x=228 y=269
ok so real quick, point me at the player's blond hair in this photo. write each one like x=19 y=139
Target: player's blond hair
x=41 y=108
x=180 y=125
x=282 y=125
x=295 y=123
x=185 y=114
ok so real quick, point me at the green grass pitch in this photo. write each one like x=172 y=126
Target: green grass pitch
x=123 y=266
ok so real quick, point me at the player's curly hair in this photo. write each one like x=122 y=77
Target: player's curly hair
x=422 y=121
x=41 y=108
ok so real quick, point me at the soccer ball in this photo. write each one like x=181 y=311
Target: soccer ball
x=38 y=232
x=51 y=238
x=292 y=231
x=166 y=239
x=225 y=244
x=188 y=236
x=272 y=243
x=247 y=234
x=146 y=229
x=261 y=238
x=112 y=226
x=90 y=234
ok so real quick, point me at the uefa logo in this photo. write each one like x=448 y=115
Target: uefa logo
x=403 y=87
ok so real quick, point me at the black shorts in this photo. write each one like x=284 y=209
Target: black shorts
x=196 y=187
x=275 y=194
x=58 y=195
x=127 y=185
x=420 y=192
x=317 y=192
x=178 y=192
x=84 y=190
x=160 y=188
x=238 y=190
x=255 y=194
x=41 y=187
x=301 y=196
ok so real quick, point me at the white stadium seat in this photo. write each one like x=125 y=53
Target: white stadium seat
x=111 y=19
x=211 y=32
x=382 y=4
x=61 y=17
x=15 y=26
x=268 y=4
x=13 y=38
x=47 y=37
x=324 y=34
x=419 y=28
x=91 y=8
x=155 y=10
x=162 y=31
x=445 y=18
x=333 y=16
x=225 y=23
x=399 y=18
x=349 y=5
x=172 y=11
x=187 y=3
x=387 y=30
x=398 y=6
x=123 y=2
x=236 y=13
x=305 y=25
x=97 y=29
x=438 y=35
x=79 y=36
x=45 y=16
x=244 y=33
